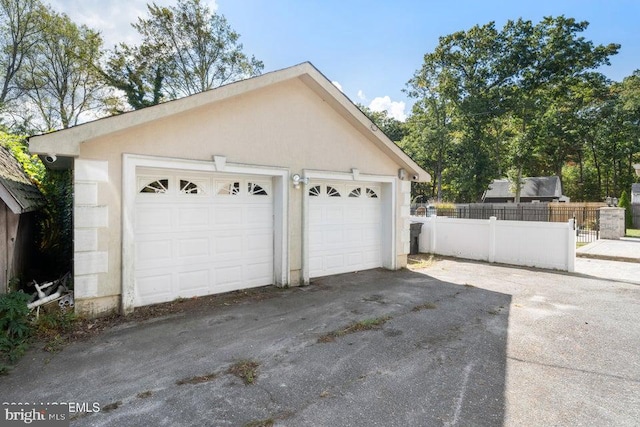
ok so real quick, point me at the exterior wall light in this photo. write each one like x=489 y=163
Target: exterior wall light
x=297 y=180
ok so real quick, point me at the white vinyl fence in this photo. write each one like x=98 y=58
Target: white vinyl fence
x=527 y=243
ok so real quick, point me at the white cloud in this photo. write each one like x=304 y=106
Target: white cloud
x=395 y=109
x=362 y=96
x=112 y=18
x=338 y=85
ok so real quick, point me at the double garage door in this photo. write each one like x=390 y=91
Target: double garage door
x=201 y=234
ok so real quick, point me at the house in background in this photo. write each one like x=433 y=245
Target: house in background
x=19 y=199
x=534 y=189
x=635 y=194
x=277 y=179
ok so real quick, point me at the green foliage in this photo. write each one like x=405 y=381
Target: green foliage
x=14 y=326
x=516 y=99
x=394 y=129
x=31 y=164
x=55 y=219
x=185 y=49
x=625 y=203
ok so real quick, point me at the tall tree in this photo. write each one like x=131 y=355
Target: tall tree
x=510 y=91
x=19 y=32
x=185 y=49
x=58 y=77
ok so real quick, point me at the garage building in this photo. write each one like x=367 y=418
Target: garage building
x=275 y=179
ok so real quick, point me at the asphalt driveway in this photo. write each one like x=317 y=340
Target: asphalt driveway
x=457 y=343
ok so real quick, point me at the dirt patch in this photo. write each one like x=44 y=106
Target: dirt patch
x=197 y=380
x=362 y=325
x=82 y=328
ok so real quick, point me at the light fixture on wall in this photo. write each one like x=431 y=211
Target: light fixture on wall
x=297 y=180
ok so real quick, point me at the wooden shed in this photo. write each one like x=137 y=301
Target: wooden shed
x=19 y=199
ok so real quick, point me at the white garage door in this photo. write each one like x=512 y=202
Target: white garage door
x=200 y=234
x=345 y=228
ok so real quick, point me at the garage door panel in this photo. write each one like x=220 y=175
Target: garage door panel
x=154 y=288
x=228 y=215
x=260 y=243
x=228 y=275
x=345 y=232
x=153 y=251
x=334 y=261
x=150 y=218
x=197 y=281
x=228 y=246
x=192 y=247
x=199 y=244
x=193 y=217
x=259 y=272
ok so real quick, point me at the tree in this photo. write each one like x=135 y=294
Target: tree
x=19 y=32
x=393 y=128
x=185 y=49
x=138 y=72
x=624 y=202
x=58 y=78
x=512 y=95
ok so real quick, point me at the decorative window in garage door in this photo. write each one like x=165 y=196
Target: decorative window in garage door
x=356 y=192
x=156 y=186
x=228 y=188
x=257 y=189
x=315 y=191
x=332 y=191
x=372 y=193
x=190 y=187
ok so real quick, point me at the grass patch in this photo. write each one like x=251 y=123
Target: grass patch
x=269 y=422
x=425 y=306
x=111 y=406
x=197 y=380
x=246 y=370
x=633 y=232
x=362 y=325
x=419 y=261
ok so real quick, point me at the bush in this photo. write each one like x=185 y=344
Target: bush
x=14 y=326
x=625 y=203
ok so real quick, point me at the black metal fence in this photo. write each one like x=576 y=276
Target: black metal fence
x=587 y=216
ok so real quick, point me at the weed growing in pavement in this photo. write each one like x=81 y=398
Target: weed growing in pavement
x=362 y=325
x=246 y=370
x=425 y=306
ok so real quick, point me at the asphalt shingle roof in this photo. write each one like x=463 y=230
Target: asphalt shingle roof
x=17 y=184
x=541 y=186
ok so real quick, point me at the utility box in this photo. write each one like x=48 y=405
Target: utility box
x=416 y=229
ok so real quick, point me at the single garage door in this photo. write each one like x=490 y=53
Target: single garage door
x=201 y=234
x=345 y=229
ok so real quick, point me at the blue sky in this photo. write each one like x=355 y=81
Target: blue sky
x=372 y=48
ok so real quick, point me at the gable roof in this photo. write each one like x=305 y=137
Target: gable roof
x=66 y=142
x=16 y=189
x=541 y=186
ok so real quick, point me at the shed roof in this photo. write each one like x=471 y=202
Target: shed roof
x=16 y=189
x=66 y=143
x=540 y=186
